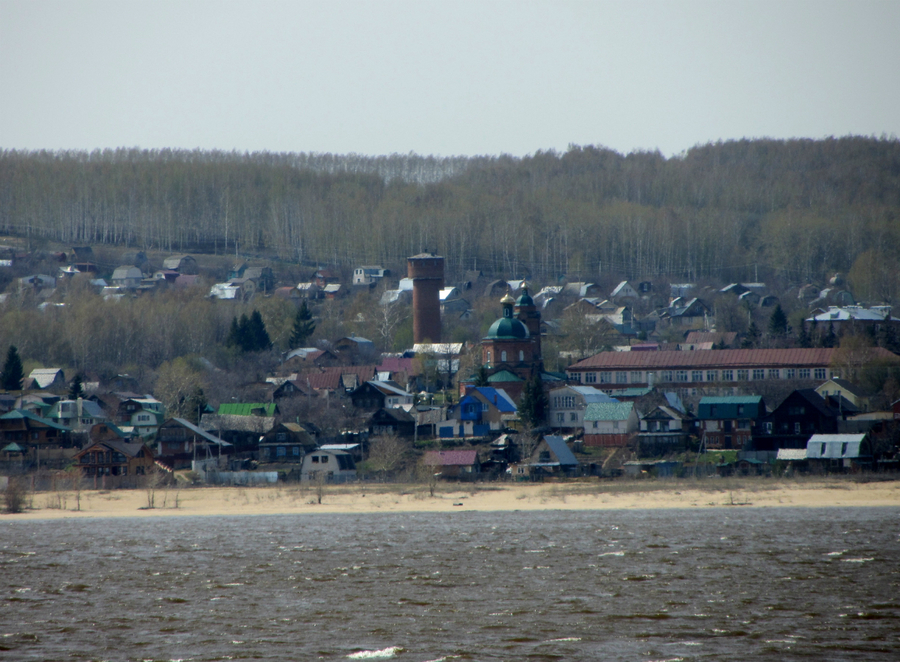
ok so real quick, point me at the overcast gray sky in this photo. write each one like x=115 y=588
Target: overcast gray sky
x=461 y=77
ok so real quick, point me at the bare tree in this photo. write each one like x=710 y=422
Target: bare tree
x=388 y=454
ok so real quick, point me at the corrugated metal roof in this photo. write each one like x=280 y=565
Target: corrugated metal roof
x=608 y=411
x=716 y=358
x=835 y=446
x=451 y=458
x=559 y=448
x=791 y=454
x=245 y=408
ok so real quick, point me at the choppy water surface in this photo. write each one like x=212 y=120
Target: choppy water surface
x=715 y=584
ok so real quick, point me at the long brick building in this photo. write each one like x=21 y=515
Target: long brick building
x=722 y=368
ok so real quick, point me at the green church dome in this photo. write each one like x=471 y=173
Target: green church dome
x=507 y=328
x=525 y=299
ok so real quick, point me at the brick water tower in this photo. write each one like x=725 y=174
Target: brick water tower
x=427 y=274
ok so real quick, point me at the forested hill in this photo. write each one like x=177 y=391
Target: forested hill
x=796 y=209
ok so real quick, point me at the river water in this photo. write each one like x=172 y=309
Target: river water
x=711 y=584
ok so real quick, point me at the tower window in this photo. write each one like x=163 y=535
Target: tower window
x=503 y=357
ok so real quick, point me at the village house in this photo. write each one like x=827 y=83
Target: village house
x=551 y=457
x=45 y=379
x=377 y=394
x=664 y=429
x=462 y=464
x=610 y=424
x=179 y=442
x=183 y=264
x=567 y=405
x=394 y=421
x=625 y=291
x=367 y=275
x=841 y=391
x=32 y=431
x=483 y=409
x=727 y=422
x=287 y=442
x=330 y=465
x=126 y=277
x=802 y=413
x=115 y=457
x=78 y=415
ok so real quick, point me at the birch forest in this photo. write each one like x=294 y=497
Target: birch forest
x=797 y=210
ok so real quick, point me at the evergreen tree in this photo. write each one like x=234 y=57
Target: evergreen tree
x=13 y=374
x=778 y=322
x=829 y=339
x=533 y=403
x=751 y=340
x=76 y=389
x=481 y=376
x=257 y=337
x=303 y=327
x=803 y=338
x=234 y=334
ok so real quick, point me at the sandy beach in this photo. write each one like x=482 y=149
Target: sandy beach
x=398 y=498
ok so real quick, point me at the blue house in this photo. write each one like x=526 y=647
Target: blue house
x=482 y=410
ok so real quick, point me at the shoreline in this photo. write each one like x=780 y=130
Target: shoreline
x=367 y=498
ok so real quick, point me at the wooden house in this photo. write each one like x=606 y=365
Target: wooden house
x=115 y=457
x=459 y=464
x=802 y=413
x=728 y=422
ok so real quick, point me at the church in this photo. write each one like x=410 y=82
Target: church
x=513 y=343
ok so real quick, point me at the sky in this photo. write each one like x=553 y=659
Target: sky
x=459 y=77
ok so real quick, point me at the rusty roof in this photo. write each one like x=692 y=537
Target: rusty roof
x=716 y=358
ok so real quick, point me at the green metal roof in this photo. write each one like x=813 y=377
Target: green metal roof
x=246 y=408
x=731 y=400
x=504 y=376
x=507 y=327
x=608 y=411
x=21 y=413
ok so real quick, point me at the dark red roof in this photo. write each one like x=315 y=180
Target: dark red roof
x=716 y=358
x=330 y=378
x=451 y=458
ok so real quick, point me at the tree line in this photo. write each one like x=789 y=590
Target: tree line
x=794 y=209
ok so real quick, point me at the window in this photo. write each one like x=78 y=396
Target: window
x=489 y=357
x=503 y=357
x=315 y=459
x=743 y=375
x=615 y=425
x=281 y=451
x=740 y=410
x=759 y=373
x=820 y=373
x=681 y=375
x=697 y=376
x=769 y=427
x=281 y=436
x=595 y=425
x=790 y=373
x=728 y=375
x=774 y=373
x=296 y=450
x=797 y=428
x=590 y=377
x=668 y=376
x=804 y=373
x=605 y=377
x=521 y=356
x=621 y=378
x=324 y=459
x=713 y=410
x=636 y=377
x=560 y=418
x=573 y=417
x=712 y=375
